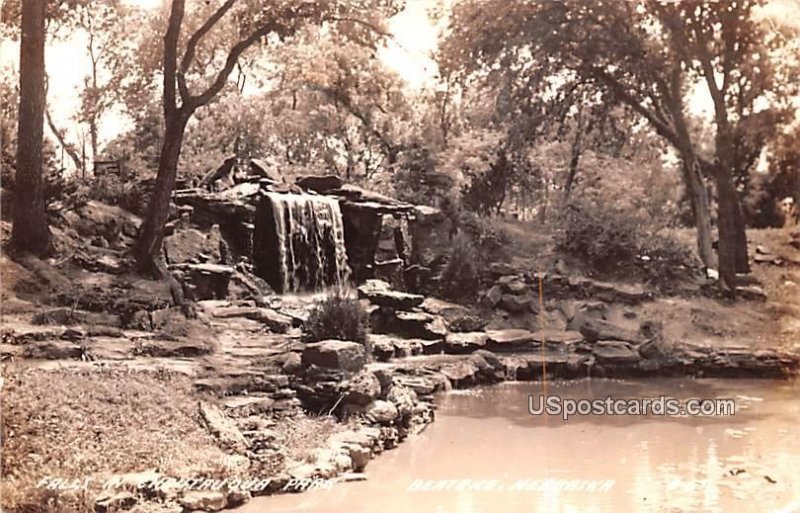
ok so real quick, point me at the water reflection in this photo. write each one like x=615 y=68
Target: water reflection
x=657 y=464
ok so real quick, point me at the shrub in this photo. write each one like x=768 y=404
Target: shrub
x=460 y=277
x=616 y=242
x=338 y=316
x=489 y=240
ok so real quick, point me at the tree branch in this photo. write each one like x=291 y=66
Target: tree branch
x=659 y=124
x=171 y=55
x=348 y=104
x=205 y=28
x=193 y=102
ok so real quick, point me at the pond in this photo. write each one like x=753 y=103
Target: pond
x=487 y=453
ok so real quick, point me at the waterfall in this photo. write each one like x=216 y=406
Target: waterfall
x=310 y=237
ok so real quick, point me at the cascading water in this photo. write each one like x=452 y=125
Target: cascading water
x=310 y=238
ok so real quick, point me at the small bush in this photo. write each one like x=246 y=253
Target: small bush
x=614 y=242
x=460 y=277
x=489 y=240
x=339 y=317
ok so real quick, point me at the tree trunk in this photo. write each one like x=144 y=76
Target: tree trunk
x=574 y=160
x=742 y=261
x=148 y=246
x=700 y=208
x=65 y=146
x=726 y=219
x=30 y=232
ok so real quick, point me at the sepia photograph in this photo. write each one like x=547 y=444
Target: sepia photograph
x=399 y=256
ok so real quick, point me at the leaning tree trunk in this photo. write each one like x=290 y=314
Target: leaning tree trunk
x=148 y=246
x=30 y=232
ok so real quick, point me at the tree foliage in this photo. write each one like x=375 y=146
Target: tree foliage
x=644 y=56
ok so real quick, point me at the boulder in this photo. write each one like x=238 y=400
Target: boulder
x=490 y=368
x=404 y=347
x=653 y=349
x=493 y=296
x=615 y=352
x=518 y=304
x=517 y=287
x=595 y=329
x=578 y=365
x=185 y=246
x=292 y=363
x=207 y=281
x=419 y=325
x=461 y=374
x=335 y=354
x=265 y=170
x=466 y=323
x=382 y=347
x=419 y=384
x=363 y=388
x=382 y=412
x=596 y=309
x=204 y=500
x=462 y=343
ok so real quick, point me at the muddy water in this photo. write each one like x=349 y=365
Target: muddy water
x=748 y=462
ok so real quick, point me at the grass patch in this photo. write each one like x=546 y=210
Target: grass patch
x=75 y=424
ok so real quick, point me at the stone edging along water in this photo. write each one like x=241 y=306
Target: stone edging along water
x=395 y=398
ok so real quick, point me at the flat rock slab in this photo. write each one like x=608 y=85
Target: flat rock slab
x=509 y=338
x=386 y=347
x=615 y=352
x=626 y=293
x=446 y=309
x=276 y=322
x=558 y=338
x=173 y=348
x=52 y=350
x=222 y=427
x=460 y=374
x=462 y=343
x=394 y=299
x=419 y=325
x=250 y=404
